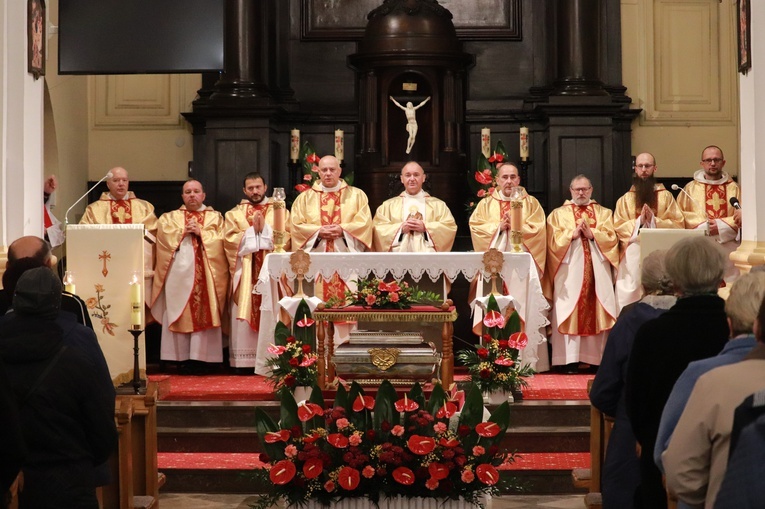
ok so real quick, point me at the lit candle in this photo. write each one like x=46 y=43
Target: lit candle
x=136 y=303
x=524 y=143
x=486 y=142
x=69 y=282
x=339 y=145
x=294 y=145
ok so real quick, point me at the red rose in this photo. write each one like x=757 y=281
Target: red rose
x=482 y=353
x=486 y=337
x=296 y=431
x=485 y=373
x=503 y=343
x=290 y=339
x=463 y=430
x=294 y=362
x=290 y=381
x=306 y=348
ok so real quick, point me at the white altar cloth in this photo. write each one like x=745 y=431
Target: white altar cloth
x=518 y=272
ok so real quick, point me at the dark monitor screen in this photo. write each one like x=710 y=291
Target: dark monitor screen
x=140 y=36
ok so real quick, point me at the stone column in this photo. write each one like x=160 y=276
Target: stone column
x=578 y=31
x=21 y=131
x=752 y=114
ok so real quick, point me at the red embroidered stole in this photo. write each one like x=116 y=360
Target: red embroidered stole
x=257 y=263
x=120 y=211
x=329 y=206
x=586 y=306
x=716 y=201
x=199 y=303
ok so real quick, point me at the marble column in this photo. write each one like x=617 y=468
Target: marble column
x=578 y=32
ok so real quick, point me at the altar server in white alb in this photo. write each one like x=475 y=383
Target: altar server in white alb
x=414 y=221
x=190 y=280
x=583 y=252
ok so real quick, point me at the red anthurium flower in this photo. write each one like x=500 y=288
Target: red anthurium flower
x=276 y=350
x=494 y=319
x=382 y=286
x=393 y=287
x=307 y=411
x=271 y=437
x=496 y=158
x=312 y=158
x=300 y=188
x=338 y=440
x=504 y=361
x=488 y=429
x=421 y=445
x=403 y=475
x=308 y=361
x=451 y=444
x=406 y=405
x=312 y=468
x=309 y=439
x=482 y=178
x=306 y=322
x=315 y=169
x=520 y=339
x=438 y=471
x=348 y=478
x=487 y=474
x=446 y=411
x=282 y=472
x=362 y=402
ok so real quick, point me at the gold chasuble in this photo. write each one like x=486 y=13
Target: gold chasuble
x=131 y=210
x=203 y=283
x=343 y=205
x=440 y=228
x=627 y=224
x=484 y=226
x=582 y=274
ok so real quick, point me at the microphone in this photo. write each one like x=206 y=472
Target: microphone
x=675 y=187
x=66 y=216
x=734 y=201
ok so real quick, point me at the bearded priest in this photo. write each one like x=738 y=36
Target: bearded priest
x=646 y=205
x=414 y=221
x=582 y=254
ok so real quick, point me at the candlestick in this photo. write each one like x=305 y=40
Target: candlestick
x=339 y=145
x=524 y=143
x=294 y=145
x=280 y=219
x=486 y=142
x=136 y=303
x=69 y=282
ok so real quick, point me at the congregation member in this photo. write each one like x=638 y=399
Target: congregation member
x=646 y=205
x=66 y=410
x=490 y=221
x=248 y=237
x=331 y=217
x=190 y=280
x=119 y=205
x=741 y=307
x=582 y=252
x=706 y=205
x=620 y=474
x=414 y=221
x=694 y=328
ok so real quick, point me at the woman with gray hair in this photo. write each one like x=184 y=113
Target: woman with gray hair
x=621 y=470
x=694 y=328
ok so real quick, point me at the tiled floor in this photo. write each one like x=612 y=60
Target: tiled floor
x=202 y=501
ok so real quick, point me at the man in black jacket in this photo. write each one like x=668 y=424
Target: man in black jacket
x=66 y=409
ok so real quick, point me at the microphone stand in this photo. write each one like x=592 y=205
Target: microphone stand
x=66 y=216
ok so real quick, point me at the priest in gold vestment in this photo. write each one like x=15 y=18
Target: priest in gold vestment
x=414 y=221
x=191 y=280
x=490 y=221
x=248 y=238
x=120 y=206
x=646 y=205
x=708 y=206
x=582 y=255
x=331 y=216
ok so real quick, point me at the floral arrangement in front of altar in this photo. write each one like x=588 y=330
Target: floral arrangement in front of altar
x=293 y=363
x=493 y=365
x=387 y=446
x=378 y=294
x=483 y=181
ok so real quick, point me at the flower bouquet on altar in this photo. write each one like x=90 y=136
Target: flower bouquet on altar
x=493 y=365
x=483 y=181
x=384 y=447
x=294 y=359
x=377 y=294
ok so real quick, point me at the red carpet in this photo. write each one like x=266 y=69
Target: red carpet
x=545 y=386
x=249 y=461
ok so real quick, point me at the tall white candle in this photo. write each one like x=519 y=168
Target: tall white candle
x=136 y=303
x=339 y=144
x=294 y=145
x=486 y=142
x=524 y=143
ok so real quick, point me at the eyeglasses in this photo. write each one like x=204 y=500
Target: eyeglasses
x=581 y=189
x=715 y=160
x=644 y=166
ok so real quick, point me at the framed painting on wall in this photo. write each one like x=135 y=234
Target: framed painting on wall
x=36 y=37
x=744 y=36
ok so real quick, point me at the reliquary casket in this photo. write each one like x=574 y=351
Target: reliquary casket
x=381 y=355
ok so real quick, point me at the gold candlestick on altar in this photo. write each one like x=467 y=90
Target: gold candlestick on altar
x=280 y=219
